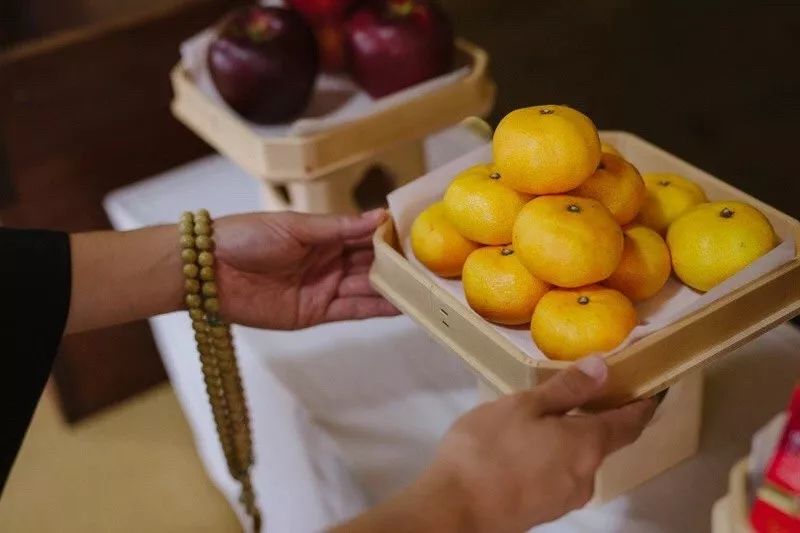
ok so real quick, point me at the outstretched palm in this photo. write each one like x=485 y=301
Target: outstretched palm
x=289 y=270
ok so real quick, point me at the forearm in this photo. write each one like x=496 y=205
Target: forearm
x=433 y=504
x=123 y=276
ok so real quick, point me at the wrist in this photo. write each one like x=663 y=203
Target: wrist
x=435 y=503
x=438 y=502
x=172 y=269
x=123 y=276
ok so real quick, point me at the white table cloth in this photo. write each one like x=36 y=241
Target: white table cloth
x=345 y=414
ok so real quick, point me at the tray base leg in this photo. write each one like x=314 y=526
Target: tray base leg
x=671 y=437
x=351 y=189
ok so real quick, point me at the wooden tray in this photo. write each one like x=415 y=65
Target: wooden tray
x=731 y=514
x=284 y=159
x=645 y=367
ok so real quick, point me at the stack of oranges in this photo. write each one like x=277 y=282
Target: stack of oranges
x=561 y=232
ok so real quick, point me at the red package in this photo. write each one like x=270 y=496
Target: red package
x=777 y=505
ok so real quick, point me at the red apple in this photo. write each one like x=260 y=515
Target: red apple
x=331 y=39
x=395 y=44
x=264 y=63
x=322 y=10
x=327 y=17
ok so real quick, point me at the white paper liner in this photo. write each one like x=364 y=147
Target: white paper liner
x=336 y=101
x=675 y=300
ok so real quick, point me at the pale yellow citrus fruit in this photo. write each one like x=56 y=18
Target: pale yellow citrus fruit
x=570 y=324
x=617 y=185
x=668 y=197
x=481 y=207
x=499 y=288
x=607 y=148
x=714 y=241
x=546 y=149
x=437 y=244
x=567 y=241
x=645 y=265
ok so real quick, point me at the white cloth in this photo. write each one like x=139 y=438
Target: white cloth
x=345 y=414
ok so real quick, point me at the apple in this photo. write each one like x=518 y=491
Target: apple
x=264 y=62
x=327 y=18
x=322 y=10
x=331 y=40
x=394 y=44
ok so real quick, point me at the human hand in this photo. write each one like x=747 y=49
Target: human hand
x=522 y=460
x=290 y=270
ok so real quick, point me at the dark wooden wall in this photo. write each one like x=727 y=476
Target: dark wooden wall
x=79 y=117
x=715 y=82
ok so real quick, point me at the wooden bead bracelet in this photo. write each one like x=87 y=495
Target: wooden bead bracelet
x=217 y=354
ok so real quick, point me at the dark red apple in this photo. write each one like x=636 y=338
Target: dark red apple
x=394 y=44
x=264 y=63
x=331 y=40
x=327 y=18
x=322 y=10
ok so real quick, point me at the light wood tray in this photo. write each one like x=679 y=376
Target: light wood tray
x=731 y=514
x=284 y=159
x=645 y=367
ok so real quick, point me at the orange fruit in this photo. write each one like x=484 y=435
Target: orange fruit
x=570 y=324
x=546 y=149
x=617 y=185
x=499 y=288
x=567 y=241
x=645 y=265
x=714 y=241
x=437 y=244
x=481 y=207
x=609 y=149
x=668 y=197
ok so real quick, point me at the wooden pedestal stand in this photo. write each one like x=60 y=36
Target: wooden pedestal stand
x=329 y=171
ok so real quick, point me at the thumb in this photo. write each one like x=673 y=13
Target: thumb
x=572 y=387
x=321 y=229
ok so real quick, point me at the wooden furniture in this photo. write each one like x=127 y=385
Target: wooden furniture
x=666 y=357
x=80 y=115
x=643 y=368
x=336 y=169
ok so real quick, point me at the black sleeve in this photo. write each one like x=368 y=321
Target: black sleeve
x=36 y=278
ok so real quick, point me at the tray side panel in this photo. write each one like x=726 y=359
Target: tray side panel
x=283 y=159
x=432 y=112
x=398 y=281
x=649 y=364
x=671 y=437
x=657 y=361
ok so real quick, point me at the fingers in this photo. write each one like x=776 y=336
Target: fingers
x=358 y=269
x=356 y=285
x=358 y=262
x=320 y=229
x=623 y=425
x=359 y=242
x=572 y=387
x=359 y=307
x=359 y=258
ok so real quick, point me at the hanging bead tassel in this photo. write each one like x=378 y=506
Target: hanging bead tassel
x=217 y=355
